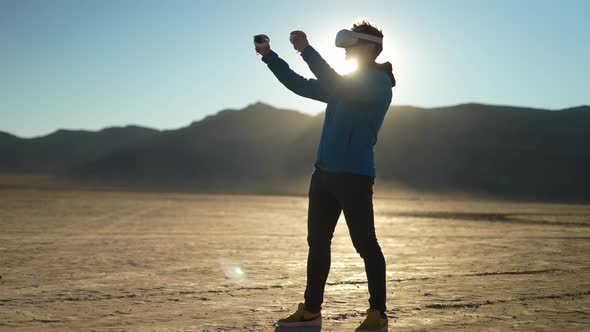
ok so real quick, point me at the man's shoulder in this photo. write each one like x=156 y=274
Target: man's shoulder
x=377 y=78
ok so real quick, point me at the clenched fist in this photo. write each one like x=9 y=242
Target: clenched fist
x=299 y=40
x=262 y=44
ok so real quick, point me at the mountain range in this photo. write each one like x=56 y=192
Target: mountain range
x=505 y=152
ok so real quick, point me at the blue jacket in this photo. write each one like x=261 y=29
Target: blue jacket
x=357 y=104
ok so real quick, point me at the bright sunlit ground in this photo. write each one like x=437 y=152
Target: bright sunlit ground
x=82 y=261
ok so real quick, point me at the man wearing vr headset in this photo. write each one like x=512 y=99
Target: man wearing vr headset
x=345 y=168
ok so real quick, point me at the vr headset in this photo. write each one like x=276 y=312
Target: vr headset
x=346 y=38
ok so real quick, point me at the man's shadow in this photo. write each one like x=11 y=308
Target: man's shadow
x=298 y=329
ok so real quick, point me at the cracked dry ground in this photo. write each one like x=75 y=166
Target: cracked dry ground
x=124 y=261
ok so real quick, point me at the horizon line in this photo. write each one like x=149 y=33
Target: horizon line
x=278 y=108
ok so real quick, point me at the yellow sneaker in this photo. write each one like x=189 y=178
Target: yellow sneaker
x=373 y=323
x=301 y=317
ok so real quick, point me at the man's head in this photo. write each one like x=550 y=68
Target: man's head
x=365 y=50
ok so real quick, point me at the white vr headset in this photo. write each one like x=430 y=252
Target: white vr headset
x=346 y=38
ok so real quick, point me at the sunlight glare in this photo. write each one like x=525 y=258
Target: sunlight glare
x=348 y=66
x=336 y=59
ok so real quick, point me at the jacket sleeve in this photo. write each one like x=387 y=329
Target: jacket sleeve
x=319 y=67
x=309 y=88
x=368 y=87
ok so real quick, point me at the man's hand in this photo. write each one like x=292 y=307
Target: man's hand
x=263 y=50
x=261 y=39
x=299 y=40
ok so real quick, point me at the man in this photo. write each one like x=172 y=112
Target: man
x=345 y=168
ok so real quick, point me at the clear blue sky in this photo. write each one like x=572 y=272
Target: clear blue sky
x=163 y=64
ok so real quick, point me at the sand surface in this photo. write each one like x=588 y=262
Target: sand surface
x=109 y=261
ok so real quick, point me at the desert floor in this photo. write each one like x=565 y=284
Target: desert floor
x=129 y=261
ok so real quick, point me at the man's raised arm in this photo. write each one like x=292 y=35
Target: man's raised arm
x=309 y=88
x=318 y=66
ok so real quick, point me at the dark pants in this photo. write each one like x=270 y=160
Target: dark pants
x=329 y=194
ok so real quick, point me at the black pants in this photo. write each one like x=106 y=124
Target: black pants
x=329 y=194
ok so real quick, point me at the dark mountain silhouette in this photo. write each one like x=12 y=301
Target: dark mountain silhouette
x=503 y=151
x=61 y=150
x=231 y=151
x=507 y=152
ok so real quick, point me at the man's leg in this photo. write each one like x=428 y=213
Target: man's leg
x=324 y=211
x=355 y=195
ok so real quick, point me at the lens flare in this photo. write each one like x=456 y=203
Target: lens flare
x=233 y=271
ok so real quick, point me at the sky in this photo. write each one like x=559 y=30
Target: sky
x=163 y=64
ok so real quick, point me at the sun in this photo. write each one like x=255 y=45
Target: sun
x=336 y=59
x=347 y=67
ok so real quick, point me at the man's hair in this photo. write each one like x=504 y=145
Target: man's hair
x=364 y=26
